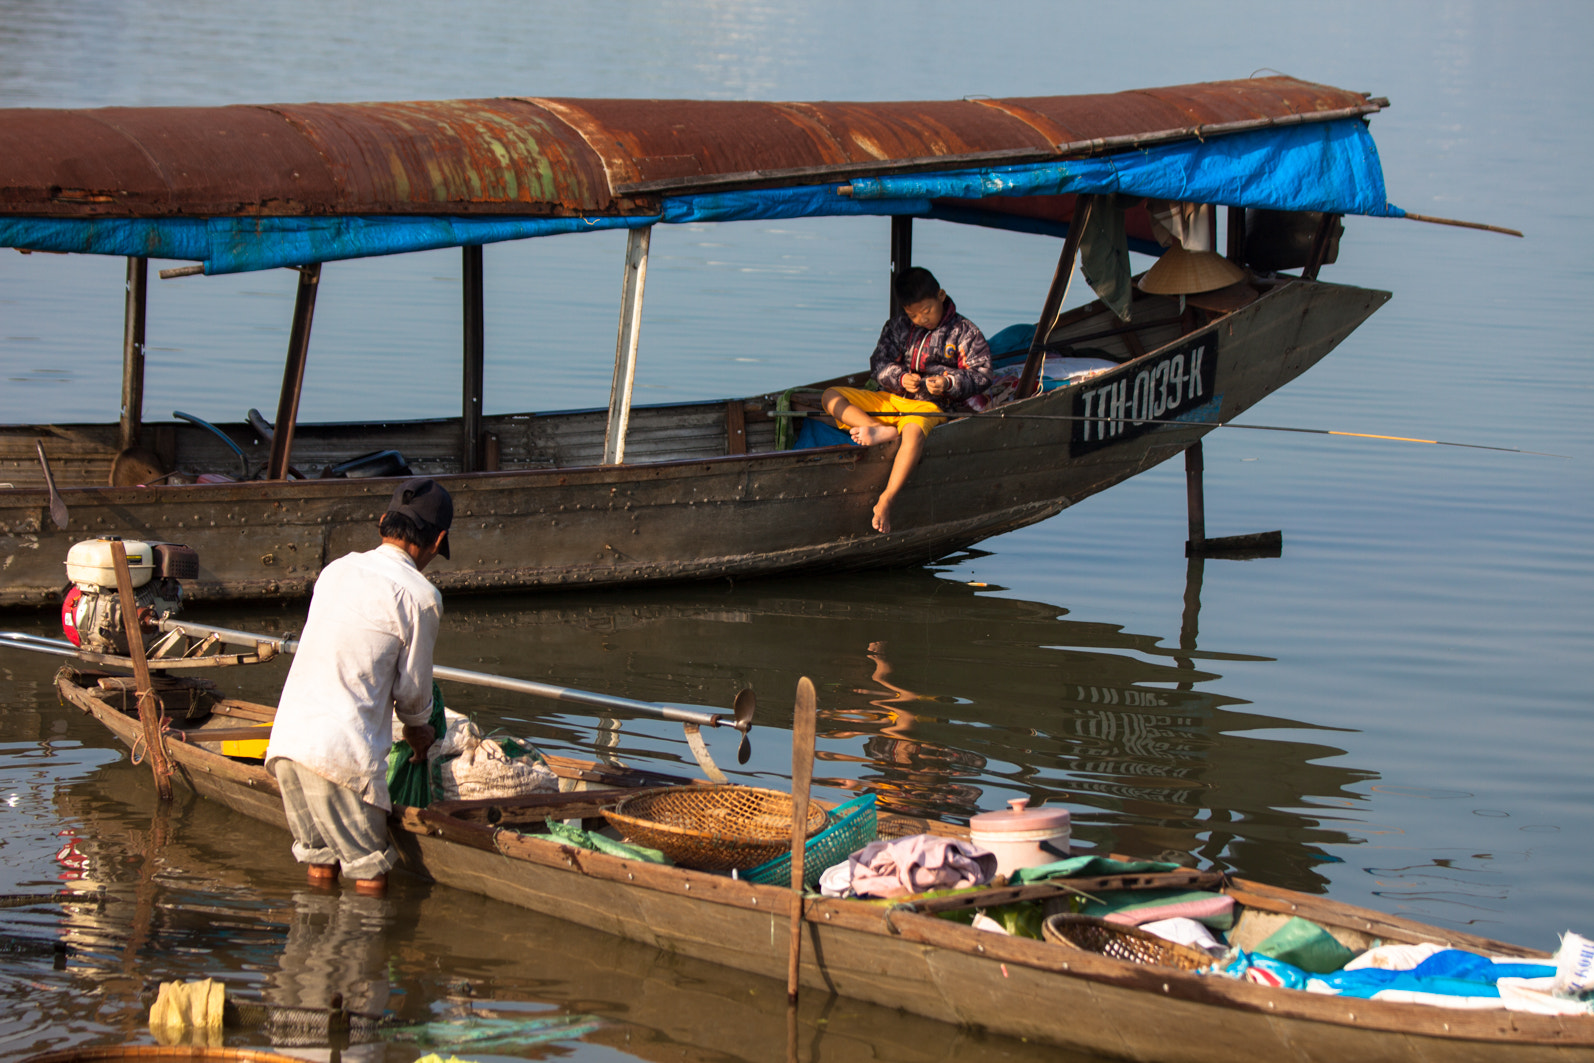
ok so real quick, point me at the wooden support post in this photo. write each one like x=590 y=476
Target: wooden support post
x=133 y=352
x=1257 y=544
x=1195 y=497
x=625 y=348
x=901 y=254
x=293 y=371
x=735 y=427
x=1320 y=245
x=1055 y=295
x=1236 y=235
x=148 y=705
x=470 y=459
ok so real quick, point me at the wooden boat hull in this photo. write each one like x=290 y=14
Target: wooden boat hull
x=709 y=517
x=933 y=967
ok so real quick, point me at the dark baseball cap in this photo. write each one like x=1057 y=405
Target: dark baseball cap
x=424 y=501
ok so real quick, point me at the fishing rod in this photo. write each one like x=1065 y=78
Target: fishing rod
x=1221 y=424
x=265 y=647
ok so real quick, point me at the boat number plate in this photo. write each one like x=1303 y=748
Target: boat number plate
x=1124 y=403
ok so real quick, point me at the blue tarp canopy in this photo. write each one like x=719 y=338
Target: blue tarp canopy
x=1322 y=166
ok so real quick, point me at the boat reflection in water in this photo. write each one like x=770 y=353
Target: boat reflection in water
x=943 y=698
x=192 y=890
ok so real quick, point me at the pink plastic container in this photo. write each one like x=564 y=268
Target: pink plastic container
x=1016 y=836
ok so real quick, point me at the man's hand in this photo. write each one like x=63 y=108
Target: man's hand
x=912 y=382
x=420 y=739
x=938 y=385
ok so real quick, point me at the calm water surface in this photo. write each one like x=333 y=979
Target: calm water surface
x=1396 y=711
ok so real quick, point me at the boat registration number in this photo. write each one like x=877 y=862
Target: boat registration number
x=1128 y=402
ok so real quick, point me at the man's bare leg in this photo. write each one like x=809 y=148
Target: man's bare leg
x=908 y=453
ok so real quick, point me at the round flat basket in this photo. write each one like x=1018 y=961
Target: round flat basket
x=161 y=1054
x=1120 y=942
x=712 y=828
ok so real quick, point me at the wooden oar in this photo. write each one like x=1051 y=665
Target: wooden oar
x=57 y=505
x=802 y=776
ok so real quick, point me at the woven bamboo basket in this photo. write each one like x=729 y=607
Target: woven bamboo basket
x=1120 y=942
x=712 y=828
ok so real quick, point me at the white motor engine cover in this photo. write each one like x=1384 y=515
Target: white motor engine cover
x=89 y=563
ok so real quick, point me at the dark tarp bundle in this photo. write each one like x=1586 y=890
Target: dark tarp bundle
x=411 y=783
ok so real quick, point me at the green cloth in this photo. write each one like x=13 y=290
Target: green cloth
x=585 y=839
x=407 y=783
x=1086 y=867
x=1306 y=945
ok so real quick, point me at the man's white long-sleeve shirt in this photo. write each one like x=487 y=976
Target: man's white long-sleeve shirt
x=366 y=651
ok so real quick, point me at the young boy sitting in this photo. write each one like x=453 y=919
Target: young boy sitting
x=929 y=358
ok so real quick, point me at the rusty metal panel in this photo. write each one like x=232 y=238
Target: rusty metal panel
x=528 y=156
x=1149 y=111
x=145 y=162
x=450 y=156
x=483 y=156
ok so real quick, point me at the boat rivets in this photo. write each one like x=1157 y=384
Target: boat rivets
x=979 y=948
x=1165 y=987
x=688 y=885
x=628 y=875
x=755 y=902
x=827 y=917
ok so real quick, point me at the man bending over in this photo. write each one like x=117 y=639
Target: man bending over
x=366 y=654
x=929 y=358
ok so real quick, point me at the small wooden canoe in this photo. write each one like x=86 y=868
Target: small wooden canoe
x=907 y=956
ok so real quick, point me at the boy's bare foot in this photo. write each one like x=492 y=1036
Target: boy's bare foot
x=322 y=874
x=882 y=514
x=371 y=887
x=869 y=435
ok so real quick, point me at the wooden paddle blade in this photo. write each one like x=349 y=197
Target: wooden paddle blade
x=58 y=512
x=804 y=724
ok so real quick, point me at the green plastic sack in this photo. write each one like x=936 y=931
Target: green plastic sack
x=1306 y=945
x=407 y=783
x=585 y=839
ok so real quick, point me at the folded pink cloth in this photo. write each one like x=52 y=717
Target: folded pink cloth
x=1198 y=910
x=917 y=864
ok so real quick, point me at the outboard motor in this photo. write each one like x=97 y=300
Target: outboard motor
x=91 y=614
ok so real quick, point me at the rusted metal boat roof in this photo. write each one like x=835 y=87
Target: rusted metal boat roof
x=575 y=158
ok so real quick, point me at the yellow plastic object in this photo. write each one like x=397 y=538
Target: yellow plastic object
x=188 y=1013
x=248 y=747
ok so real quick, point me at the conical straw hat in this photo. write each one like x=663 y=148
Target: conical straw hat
x=1181 y=272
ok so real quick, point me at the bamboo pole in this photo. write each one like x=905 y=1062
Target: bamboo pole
x=1432 y=220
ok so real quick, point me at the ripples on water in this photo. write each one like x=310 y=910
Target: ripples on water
x=1396 y=710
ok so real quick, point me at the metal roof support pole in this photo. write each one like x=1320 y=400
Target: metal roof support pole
x=293 y=371
x=631 y=287
x=1055 y=296
x=1236 y=235
x=470 y=458
x=133 y=352
x=901 y=253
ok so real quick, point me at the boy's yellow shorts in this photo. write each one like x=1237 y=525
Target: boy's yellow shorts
x=877 y=402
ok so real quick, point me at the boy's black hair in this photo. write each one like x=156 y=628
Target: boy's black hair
x=914 y=285
x=406 y=530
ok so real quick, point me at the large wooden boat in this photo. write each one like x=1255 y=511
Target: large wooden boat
x=701 y=490
x=905 y=956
